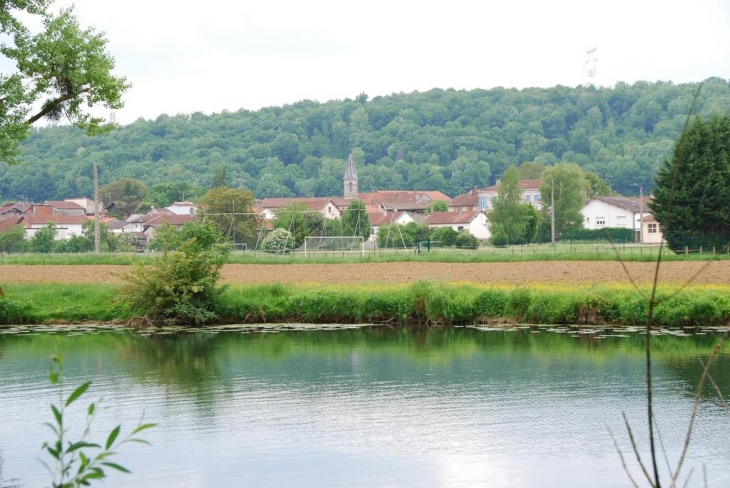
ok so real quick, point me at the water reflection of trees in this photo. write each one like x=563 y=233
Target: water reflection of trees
x=207 y=366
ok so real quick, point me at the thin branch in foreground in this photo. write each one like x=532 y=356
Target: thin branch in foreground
x=722 y=402
x=636 y=451
x=621 y=455
x=705 y=373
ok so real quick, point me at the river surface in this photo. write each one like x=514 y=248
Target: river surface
x=365 y=407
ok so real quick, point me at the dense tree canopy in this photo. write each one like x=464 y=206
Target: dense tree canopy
x=58 y=74
x=692 y=190
x=443 y=140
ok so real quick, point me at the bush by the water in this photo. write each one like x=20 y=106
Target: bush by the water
x=178 y=287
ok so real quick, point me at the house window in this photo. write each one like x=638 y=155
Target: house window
x=600 y=220
x=536 y=198
x=621 y=221
x=652 y=228
x=483 y=202
x=460 y=228
x=527 y=198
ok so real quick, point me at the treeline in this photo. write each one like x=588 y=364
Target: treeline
x=443 y=140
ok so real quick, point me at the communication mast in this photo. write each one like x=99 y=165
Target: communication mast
x=591 y=64
x=113 y=117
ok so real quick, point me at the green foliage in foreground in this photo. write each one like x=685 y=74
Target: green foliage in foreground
x=78 y=463
x=422 y=303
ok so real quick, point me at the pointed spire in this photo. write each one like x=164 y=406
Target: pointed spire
x=350 y=173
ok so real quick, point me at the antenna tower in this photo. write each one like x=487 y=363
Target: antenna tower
x=591 y=64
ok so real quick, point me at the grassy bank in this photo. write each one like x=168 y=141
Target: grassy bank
x=421 y=303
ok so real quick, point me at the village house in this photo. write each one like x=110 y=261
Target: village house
x=614 y=212
x=466 y=202
x=473 y=221
x=530 y=190
x=68 y=218
x=379 y=219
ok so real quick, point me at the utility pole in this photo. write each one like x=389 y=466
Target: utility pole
x=97 y=230
x=641 y=214
x=552 y=211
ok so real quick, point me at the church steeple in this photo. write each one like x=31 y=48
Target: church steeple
x=350 y=179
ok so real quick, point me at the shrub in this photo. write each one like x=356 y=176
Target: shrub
x=179 y=286
x=499 y=239
x=466 y=241
x=278 y=241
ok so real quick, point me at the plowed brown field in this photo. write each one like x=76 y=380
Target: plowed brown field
x=565 y=272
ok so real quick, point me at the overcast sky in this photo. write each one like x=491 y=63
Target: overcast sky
x=215 y=55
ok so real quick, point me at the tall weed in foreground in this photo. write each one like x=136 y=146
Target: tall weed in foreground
x=649 y=306
x=79 y=462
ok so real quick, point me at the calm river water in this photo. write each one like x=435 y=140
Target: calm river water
x=366 y=407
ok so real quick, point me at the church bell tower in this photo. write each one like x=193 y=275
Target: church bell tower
x=350 y=179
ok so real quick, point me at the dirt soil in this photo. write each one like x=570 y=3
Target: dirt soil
x=564 y=272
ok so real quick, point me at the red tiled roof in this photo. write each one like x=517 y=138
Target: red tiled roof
x=470 y=199
x=65 y=205
x=448 y=218
x=522 y=184
x=379 y=218
x=157 y=219
x=28 y=220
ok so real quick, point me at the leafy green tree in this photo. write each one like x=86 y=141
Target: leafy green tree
x=75 y=243
x=465 y=240
x=510 y=215
x=530 y=170
x=570 y=186
x=437 y=206
x=205 y=233
x=44 y=239
x=59 y=73
x=13 y=240
x=231 y=211
x=300 y=221
x=220 y=177
x=445 y=235
x=691 y=194
x=125 y=242
x=165 y=194
x=106 y=238
x=355 y=220
x=166 y=238
x=126 y=193
x=597 y=187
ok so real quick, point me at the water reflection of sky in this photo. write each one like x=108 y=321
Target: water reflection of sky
x=352 y=413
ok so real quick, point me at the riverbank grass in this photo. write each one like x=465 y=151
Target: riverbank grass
x=420 y=303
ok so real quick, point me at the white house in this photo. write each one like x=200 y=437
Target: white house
x=530 y=190
x=474 y=221
x=619 y=212
x=66 y=225
x=379 y=219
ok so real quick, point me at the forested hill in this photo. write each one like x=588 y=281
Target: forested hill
x=438 y=140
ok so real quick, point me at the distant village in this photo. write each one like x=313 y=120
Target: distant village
x=467 y=212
